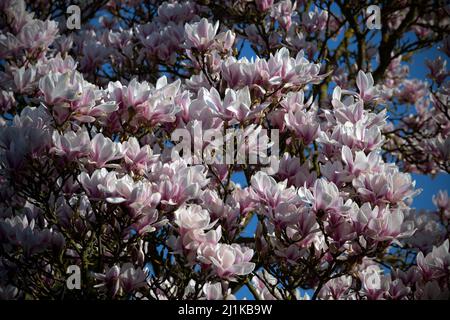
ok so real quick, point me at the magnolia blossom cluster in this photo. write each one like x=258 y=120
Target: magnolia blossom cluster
x=89 y=175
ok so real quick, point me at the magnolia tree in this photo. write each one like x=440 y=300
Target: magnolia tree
x=124 y=124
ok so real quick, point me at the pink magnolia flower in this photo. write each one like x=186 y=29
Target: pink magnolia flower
x=374 y=283
x=431 y=290
x=435 y=264
x=24 y=79
x=57 y=64
x=264 y=5
x=438 y=69
x=440 y=146
x=129 y=96
x=323 y=197
x=229 y=261
x=96 y=184
x=234 y=72
x=283 y=11
x=139 y=197
x=214 y=291
x=265 y=189
x=110 y=280
x=118 y=190
x=372 y=188
x=160 y=106
x=335 y=172
x=215 y=205
x=381 y=224
x=357 y=136
x=430 y=232
x=24 y=233
x=304 y=124
x=242 y=199
x=7 y=100
x=192 y=217
x=177 y=182
x=315 y=21
x=16 y=9
x=336 y=289
x=291 y=253
x=241 y=108
x=398 y=290
x=303 y=228
x=94 y=54
x=131 y=278
x=349 y=110
x=200 y=35
x=262 y=289
x=441 y=200
x=175 y=11
x=26 y=138
x=137 y=158
x=61 y=87
x=192 y=222
x=209 y=103
x=225 y=40
x=118 y=280
x=296 y=174
x=38 y=34
x=295 y=101
x=389 y=186
x=412 y=91
x=147 y=221
x=360 y=163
